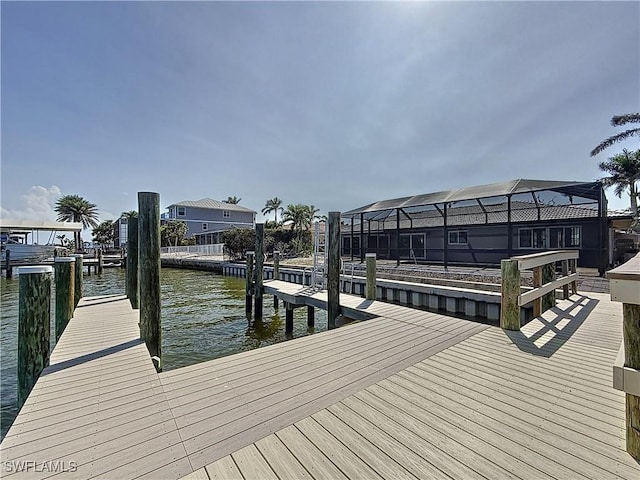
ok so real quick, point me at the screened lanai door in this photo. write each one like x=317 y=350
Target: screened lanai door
x=413 y=245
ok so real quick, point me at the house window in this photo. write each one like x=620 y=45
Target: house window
x=182 y=211
x=458 y=237
x=553 y=237
x=532 y=237
x=204 y=227
x=226 y=214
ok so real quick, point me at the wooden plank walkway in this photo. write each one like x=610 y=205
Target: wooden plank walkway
x=532 y=404
x=98 y=409
x=101 y=410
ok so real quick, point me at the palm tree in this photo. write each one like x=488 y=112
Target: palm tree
x=103 y=234
x=298 y=215
x=624 y=173
x=73 y=208
x=617 y=121
x=234 y=200
x=273 y=205
x=129 y=214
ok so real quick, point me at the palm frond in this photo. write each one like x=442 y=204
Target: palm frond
x=615 y=139
x=618 y=120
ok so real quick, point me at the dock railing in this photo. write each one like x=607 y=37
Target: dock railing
x=216 y=249
x=624 y=285
x=545 y=283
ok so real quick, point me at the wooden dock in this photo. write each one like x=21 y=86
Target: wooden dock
x=407 y=394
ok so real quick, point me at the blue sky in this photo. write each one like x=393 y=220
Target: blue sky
x=332 y=104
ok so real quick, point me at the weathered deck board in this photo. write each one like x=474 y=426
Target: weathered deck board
x=531 y=404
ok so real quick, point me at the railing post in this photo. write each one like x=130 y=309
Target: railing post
x=333 y=267
x=34 y=326
x=259 y=273
x=132 y=262
x=77 y=281
x=548 y=276
x=65 y=285
x=537 y=283
x=371 y=276
x=572 y=269
x=249 y=284
x=149 y=271
x=565 y=272
x=509 y=308
x=624 y=284
x=288 y=319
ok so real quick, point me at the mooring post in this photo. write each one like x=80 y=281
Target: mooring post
x=288 y=323
x=249 y=284
x=259 y=273
x=100 y=261
x=311 y=316
x=509 y=308
x=548 y=276
x=132 y=262
x=7 y=264
x=276 y=274
x=149 y=271
x=64 y=268
x=371 y=276
x=77 y=281
x=34 y=326
x=333 y=267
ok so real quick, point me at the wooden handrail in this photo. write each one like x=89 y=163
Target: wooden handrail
x=544 y=283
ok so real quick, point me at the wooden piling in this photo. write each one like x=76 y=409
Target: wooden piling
x=259 y=273
x=276 y=275
x=64 y=268
x=333 y=267
x=77 y=281
x=311 y=316
x=288 y=322
x=631 y=338
x=7 y=264
x=132 y=263
x=548 y=276
x=34 y=326
x=249 y=284
x=288 y=329
x=149 y=272
x=100 y=261
x=371 y=276
x=509 y=308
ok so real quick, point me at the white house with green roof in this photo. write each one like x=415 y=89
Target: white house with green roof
x=206 y=219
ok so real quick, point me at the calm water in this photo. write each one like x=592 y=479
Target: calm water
x=202 y=318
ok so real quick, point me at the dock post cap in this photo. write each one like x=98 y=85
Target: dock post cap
x=77 y=255
x=35 y=269
x=251 y=252
x=369 y=255
x=64 y=259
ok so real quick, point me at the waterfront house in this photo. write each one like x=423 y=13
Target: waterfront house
x=206 y=219
x=484 y=224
